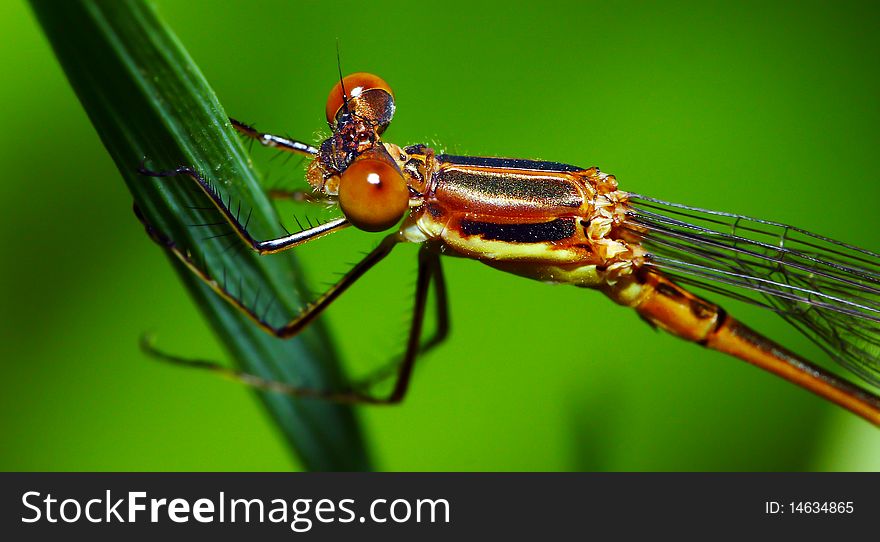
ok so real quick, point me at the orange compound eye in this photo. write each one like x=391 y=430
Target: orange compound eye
x=373 y=194
x=369 y=97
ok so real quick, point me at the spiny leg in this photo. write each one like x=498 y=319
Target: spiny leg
x=284 y=144
x=442 y=306
x=254 y=381
x=427 y=259
x=274 y=141
x=270 y=246
x=427 y=267
x=302 y=196
x=441 y=331
x=309 y=313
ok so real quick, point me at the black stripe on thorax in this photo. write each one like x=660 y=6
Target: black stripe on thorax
x=506 y=163
x=542 y=232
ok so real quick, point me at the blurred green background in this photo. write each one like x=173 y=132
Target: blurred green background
x=765 y=109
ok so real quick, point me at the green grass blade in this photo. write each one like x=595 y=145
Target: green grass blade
x=146 y=98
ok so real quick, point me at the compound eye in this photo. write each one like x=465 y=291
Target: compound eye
x=373 y=194
x=369 y=97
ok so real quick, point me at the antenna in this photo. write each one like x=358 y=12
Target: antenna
x=341 y=83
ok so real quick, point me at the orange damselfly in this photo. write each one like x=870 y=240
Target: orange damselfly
x=564 y=224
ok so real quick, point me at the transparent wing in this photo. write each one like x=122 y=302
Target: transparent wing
x=828 y=290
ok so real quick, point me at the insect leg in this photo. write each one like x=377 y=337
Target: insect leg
x=432 y=261
x=429 y=269
x=294 y=195
x=428 y=265
x=442 y=305
x=309 y=313
x=254 y=381
x=274 y=141
x=302 y=196
x=270 y=246
x=344 y=396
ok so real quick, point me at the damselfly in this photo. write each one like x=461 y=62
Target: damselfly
x=563 y=224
